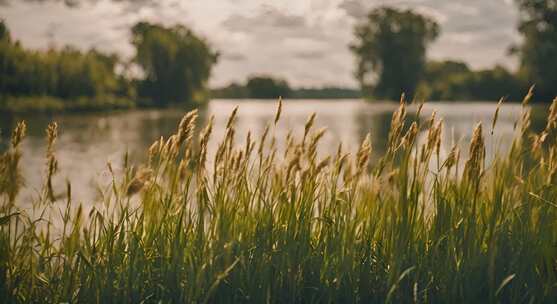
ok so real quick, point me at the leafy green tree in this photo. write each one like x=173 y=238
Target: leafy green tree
x=4 y=32
x=176 y=62
x=538 y=50
x=69 y=75
x=233 y=90
x=390 y=49
x=453 y=80
x=444 y=80
x=267 y=87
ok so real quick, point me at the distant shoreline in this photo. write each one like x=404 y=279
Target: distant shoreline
x=47 y=104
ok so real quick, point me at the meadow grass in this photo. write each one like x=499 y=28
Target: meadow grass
x=263 y=225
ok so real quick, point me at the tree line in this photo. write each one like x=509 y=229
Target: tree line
x=390 y=46
x=175 y=65
x=269 y=87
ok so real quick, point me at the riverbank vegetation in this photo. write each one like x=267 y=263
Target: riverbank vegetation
x=174 y=66
x=390 y=46
x=269 y=87
x=254 y=222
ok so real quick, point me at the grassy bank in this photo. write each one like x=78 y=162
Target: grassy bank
x=258 y=224
x=48 y=104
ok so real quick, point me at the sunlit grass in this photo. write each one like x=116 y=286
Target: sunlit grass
x=258 y=224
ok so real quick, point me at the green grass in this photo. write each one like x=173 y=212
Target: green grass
x=257 y=224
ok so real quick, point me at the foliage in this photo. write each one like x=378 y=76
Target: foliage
x=235 y=91
x=326 y=93
x=66 y=73
x=257 y=224
x=176 y=62
x=390 y=48
x=538 y=50
x=452 y=80
x=267 y=87
x=4 y=31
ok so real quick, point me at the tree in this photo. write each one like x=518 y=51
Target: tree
x=267 y=87
x=444 y=80
x=538 y=51
x=176 y=62
x=233 y=90
x=67 y=73
x=453 y=80
x=4 y=32
x=391 y=51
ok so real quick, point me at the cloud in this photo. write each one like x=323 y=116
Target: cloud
x=269 y=22
x=233 y=56
x=310 y=55
x=354 y=8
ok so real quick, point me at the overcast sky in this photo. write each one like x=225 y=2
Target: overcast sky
x=304 y=41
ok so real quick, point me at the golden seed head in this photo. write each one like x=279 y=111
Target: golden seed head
x=109 y=165
x=452 y=157
x=18 y=134
x=420 y=107
x=322 y=164
x=397 y=124
x=294 y=162
x=552 y=117
x=279 y=110
x=474 y=164
x=528 y=96
x=538 y=141
x=309 y=124
x=187 y=126
x=339 y=150
x=206 y=133
x=363 y=153
x=410 y=135
x=52 y=133
x=496 y=115
x=316 y=138
x=232 y=118
x=138 y=182
x=153 y=149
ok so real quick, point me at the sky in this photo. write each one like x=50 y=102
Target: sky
x=303 y=41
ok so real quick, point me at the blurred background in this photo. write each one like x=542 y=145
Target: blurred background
x=118 y=74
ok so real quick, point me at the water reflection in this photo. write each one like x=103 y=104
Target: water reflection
x=88 y=141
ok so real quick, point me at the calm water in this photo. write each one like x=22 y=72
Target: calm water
x=88 y=141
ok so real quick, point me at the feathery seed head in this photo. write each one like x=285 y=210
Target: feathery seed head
x=18 y=134
x=186 y=127
x=528 y=96
x=279 y=110
x=496 y=115
x=232 y=118
x=474 y=164
x=309 y=124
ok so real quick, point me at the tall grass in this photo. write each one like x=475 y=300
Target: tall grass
x=258 y=224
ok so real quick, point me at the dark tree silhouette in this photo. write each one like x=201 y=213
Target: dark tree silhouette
x=176 y=62
x=390 y=48
x=538 y=51
x=267 y=87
